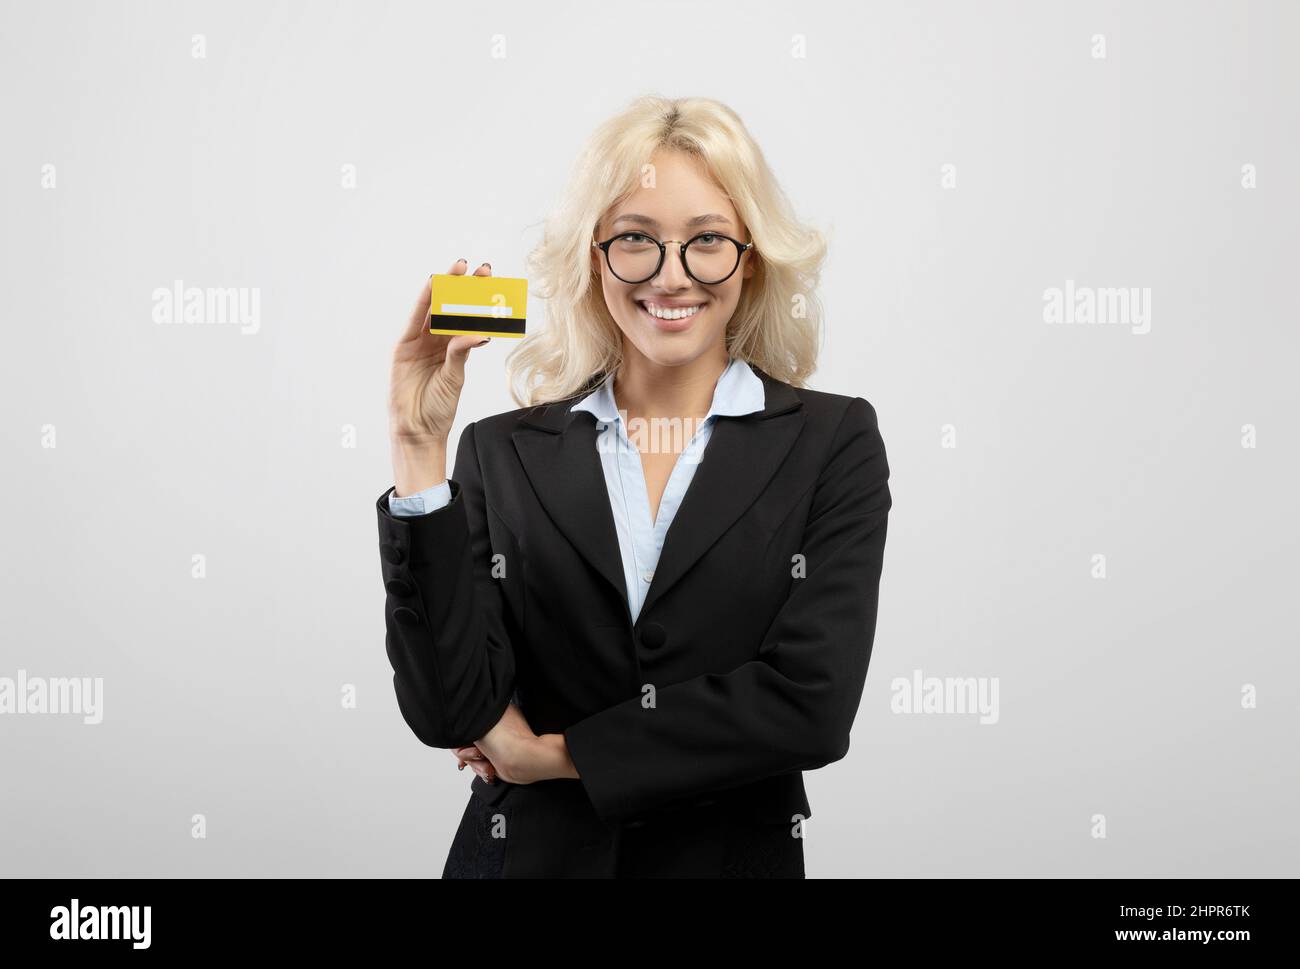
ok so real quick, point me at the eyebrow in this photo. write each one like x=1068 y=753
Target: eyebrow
x=711 y=218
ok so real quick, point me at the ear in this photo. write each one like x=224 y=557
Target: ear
x=597 y=256
x=750 y=266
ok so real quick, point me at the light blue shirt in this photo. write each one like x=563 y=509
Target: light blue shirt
x=738 y=391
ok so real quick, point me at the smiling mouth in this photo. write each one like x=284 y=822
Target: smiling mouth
x=669 y=314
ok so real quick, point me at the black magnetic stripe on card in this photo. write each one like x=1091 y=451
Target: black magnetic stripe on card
x=479 y=324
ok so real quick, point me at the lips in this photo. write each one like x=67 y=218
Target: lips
x=670 y=326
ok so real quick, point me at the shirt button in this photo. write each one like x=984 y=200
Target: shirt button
x=647 y=576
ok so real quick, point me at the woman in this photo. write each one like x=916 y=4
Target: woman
x=668 y=557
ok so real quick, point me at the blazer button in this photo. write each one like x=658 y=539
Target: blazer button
x=407 y=617
x=397 y=587
x=391 y=553
x=653 y=635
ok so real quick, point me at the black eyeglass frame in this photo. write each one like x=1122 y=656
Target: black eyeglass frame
x=741 y=249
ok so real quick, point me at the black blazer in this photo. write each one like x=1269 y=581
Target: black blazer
x=755 y=635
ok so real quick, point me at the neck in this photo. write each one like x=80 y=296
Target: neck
x=646 y=389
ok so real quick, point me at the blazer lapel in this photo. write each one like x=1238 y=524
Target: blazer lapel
x=557 y=448
x=742 y=455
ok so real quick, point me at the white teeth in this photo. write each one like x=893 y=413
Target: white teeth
x=671 y=314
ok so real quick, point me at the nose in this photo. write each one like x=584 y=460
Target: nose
x=672 y=274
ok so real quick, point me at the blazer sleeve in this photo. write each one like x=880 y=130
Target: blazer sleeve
x=792 y=707
x=447 y=641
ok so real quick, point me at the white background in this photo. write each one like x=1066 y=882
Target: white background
x=1119 y=697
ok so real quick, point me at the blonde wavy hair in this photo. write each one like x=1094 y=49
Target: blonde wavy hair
x=777 y=323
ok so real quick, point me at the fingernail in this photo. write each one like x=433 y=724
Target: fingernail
x=486 y=339
x=462 y=259
x=488 y=264
x=462 y=766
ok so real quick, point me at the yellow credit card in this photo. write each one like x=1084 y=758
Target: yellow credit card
x=477 y=305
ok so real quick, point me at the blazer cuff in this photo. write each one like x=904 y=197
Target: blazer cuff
x=433 y=538
x=599 y=777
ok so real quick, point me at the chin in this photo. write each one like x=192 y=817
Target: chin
x=671 y=349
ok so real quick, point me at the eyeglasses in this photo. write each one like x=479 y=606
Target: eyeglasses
x=709 y=258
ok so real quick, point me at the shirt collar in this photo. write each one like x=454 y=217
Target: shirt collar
x=737 y=392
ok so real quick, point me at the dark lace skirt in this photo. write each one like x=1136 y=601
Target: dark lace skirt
x=475 y=853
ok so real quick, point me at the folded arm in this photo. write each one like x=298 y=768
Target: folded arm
x=793 y=706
